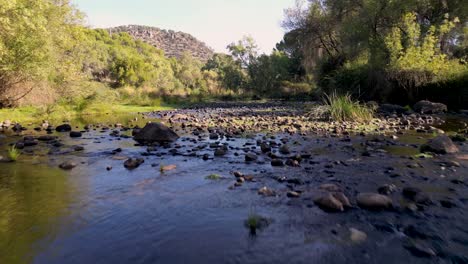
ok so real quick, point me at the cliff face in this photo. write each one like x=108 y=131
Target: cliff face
x=174 y=44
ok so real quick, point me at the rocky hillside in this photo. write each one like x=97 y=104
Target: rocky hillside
x=173 y=43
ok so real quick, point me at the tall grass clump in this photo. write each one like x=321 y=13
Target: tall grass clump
x=13 y=153
x=344 y=108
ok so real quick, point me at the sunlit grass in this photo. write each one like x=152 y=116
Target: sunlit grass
x=13 y=153
x=344 y=108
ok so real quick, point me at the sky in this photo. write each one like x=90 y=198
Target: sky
x=215 y=22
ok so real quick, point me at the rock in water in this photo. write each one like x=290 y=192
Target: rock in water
x=155 y=132
x=75 y=134
x=440 y=145
x=427 y=107
x=133 y=163
x=64 y=128
x=374 y=201
x=357 y=236
x=67 y=165
x=329 y=203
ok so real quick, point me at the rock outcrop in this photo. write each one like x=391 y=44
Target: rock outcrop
x=173 y=43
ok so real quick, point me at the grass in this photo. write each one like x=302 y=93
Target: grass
x=343 y=108
x=213 y=177
x=13 y=153
x=62 y=111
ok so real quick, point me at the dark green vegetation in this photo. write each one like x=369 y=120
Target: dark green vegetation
x=399 y=51
x=388 y=51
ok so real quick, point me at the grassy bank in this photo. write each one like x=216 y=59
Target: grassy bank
x=64 y=112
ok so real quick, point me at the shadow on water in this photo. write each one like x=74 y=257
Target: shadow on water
x=32 y=198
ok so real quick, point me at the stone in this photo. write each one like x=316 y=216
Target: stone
x=387 y=189
x=155 y=132
x=292 y=194
x=63 y=128
x=357 y=236
x=427 y=107
x=284 y=149
x=67 y=165
x=265 y=147
x=75 y=134
x=250 y=157
x=329 y=203
x=133 y=163
x=47 y=138
x=266 y=191
x=277 y=163
x=440 y=145
x=220 y=152
x=374 y=201
x=342 y=198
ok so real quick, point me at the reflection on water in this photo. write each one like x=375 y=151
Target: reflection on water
x=32 y=197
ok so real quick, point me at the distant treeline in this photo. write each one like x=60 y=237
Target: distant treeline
x=395 y=51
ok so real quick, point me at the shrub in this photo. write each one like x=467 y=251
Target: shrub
x=343 y=108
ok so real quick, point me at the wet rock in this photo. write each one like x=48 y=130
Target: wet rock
x=441 y=145
x=249 y=157
x=329 y=203
x=266 y=191
x=292 y=194
x=277 y=163
x=155 y=132
x=133 y=163
x=284 y=149
x=75 y=134
x=214 y=136
x=427 y=107
x=78 y=148
x=220 y=152
x=387 y=189
x=265 y=147
x=67 y=165
x=63 y=128
x=374 y=201
x=342 y=198
x=357 y=236
x=292 y=163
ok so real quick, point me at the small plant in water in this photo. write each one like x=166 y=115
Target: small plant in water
x=213 y=177
x=256 y=222
x=13 y=153
x=424 y=156
x=343 y=108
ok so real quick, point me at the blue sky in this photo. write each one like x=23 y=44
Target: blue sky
x=215 y=22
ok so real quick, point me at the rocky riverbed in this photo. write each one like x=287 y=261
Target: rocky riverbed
x=239 y=183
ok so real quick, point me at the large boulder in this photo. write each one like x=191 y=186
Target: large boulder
x=427 y=107
x=155 y=132
x=440 y=145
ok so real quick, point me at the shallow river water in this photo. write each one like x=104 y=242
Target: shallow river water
x=94 y=215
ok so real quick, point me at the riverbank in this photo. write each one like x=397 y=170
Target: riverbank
x=60 y=113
